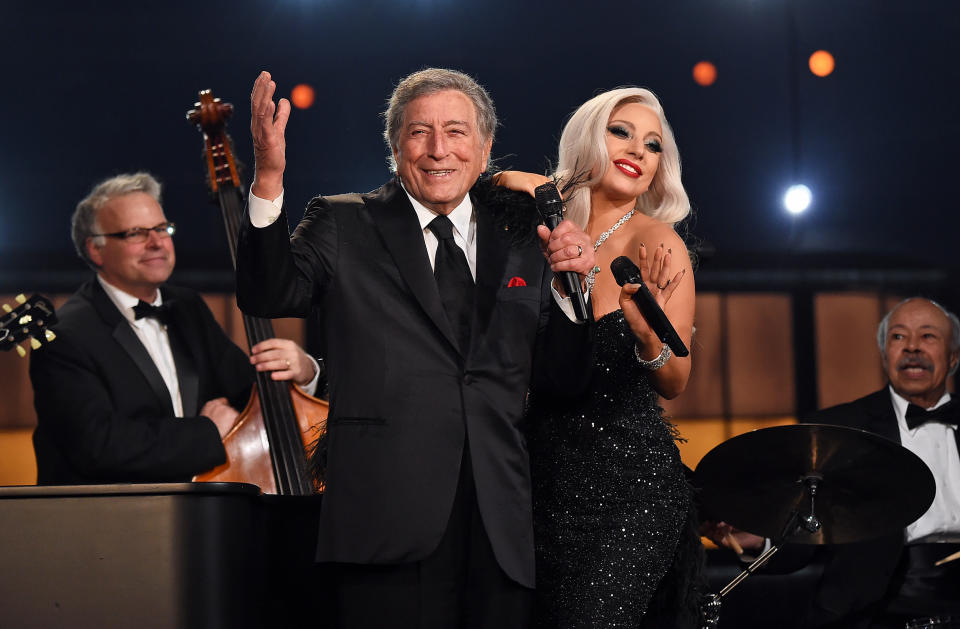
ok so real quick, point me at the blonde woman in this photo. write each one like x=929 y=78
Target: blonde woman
x=612 y=507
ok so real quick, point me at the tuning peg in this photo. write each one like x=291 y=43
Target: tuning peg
x=49 y=335
x=7 y=308
x=21 y=351
x=34 y=343
x=21 y=298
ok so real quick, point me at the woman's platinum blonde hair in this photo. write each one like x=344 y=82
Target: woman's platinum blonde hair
x=583 y=153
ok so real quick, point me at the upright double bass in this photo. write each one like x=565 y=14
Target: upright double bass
x=268 y=445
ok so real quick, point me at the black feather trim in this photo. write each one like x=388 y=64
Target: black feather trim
x=514 y=213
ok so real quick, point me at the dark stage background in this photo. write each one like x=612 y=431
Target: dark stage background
x=93 y=89
x=786 y=306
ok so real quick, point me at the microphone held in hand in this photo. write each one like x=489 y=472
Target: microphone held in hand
x=626 y=272
x=550 y=205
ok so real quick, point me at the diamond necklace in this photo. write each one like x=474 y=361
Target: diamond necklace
x=591 y=276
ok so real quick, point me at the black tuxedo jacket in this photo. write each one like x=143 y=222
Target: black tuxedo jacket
x=404 y=401
x=104 y=413
x=856 y=577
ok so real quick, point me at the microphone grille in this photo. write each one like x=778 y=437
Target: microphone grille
x=625 y=271
x=547 y=194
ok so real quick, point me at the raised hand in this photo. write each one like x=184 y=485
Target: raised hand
x=268 y=123
x=656 y=274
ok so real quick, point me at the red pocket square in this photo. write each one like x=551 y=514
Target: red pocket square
x=516 y=281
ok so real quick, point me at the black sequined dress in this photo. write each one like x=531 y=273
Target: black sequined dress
x=610 y=497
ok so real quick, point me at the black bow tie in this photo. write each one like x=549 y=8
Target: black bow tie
x=161 y=313
x=947 y=413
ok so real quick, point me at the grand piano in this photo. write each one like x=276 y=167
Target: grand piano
x=180 y=555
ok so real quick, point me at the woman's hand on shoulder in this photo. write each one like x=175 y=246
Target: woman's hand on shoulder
x=520 y=181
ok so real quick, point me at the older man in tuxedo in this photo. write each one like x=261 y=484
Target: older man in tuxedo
x=142 y=383
x=887 y=582
x=437 y=317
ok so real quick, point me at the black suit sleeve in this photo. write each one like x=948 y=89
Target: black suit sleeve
x=282 y=276
x=99 y=419
x=563 y=358
x=83 y=436
x=226 y=368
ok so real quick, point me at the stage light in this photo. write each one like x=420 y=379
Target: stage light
x=704 y=73
x=821 y=63
x=797 y=198
x=302 y=96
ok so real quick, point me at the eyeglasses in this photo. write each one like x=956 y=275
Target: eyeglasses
x=139 y=235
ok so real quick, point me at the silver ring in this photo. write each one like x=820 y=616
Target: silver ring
x=579 y=251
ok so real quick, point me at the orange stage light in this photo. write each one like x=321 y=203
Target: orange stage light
x=302 y=96
x=704 y=73
x=821 y=63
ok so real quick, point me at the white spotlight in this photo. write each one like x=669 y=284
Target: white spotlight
x=797 y=198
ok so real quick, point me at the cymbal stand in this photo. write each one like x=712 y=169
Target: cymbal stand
x=795 y=524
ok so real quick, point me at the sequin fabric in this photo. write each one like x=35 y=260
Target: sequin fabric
x=609 y=493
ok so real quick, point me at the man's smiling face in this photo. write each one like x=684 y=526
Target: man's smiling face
x=440 y=153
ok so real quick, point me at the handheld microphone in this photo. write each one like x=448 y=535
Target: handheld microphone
x=550 y=206
x=626 y=272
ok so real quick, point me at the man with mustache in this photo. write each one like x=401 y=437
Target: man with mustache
x=888 y=582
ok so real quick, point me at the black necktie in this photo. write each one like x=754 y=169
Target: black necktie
x=946 y=413
x=161 y=313
x=454 y=280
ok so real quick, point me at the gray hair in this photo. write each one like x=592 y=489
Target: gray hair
x=430 y=81
x=583 y=147
x=83 y=223
x=884 y=327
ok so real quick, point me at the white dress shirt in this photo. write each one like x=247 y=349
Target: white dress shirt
x=936 y=444
x=464 y=221
x=153 y=335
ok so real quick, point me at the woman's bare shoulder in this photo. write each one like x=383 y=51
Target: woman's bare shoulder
x=653 y=233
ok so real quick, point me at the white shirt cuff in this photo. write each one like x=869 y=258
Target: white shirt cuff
x=566 y=303
x=263 y=213
x=750 y=557
x=311 y=387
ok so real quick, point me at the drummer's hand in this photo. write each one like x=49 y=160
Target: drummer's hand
x=268 y=123
x=722 y=534
x=285 y=359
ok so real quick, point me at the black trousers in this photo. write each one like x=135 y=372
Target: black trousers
x=460 y=585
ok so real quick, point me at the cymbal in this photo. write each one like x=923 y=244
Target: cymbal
x=866 y=486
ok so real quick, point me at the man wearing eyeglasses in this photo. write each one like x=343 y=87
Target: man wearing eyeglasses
x=141 y=384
